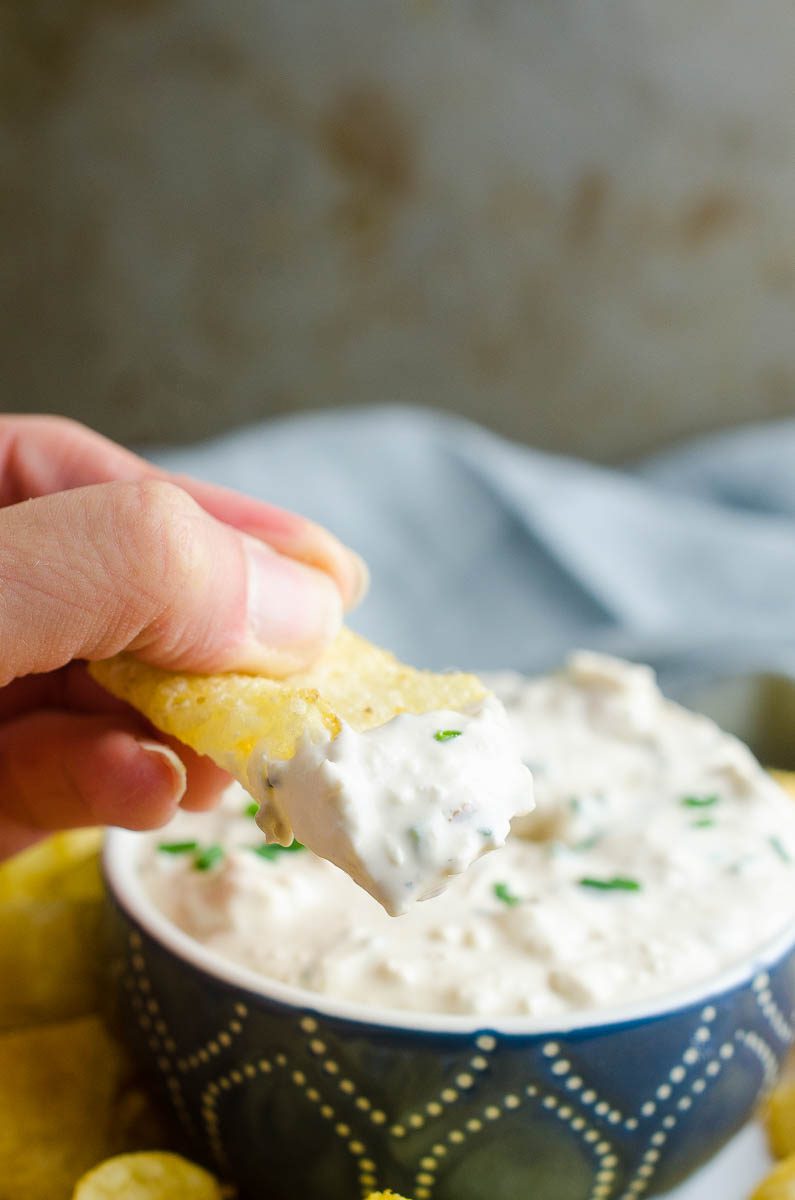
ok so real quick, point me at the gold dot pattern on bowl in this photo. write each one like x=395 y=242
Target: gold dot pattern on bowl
x=569 y=1096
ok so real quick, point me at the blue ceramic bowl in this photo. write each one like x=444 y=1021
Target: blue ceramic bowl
x=289 y=1094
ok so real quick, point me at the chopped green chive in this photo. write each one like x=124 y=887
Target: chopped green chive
x=415 y=835
x=445 y=735
x=699 y=801
x=617 y=884
x=271 y=850
x=177 y=847
x=486 y=833
x=251 y=809
x=703 y=823
x=575 y=804
x=780 y=849
x=504 y=893
x=208 y=858
x=268 y=851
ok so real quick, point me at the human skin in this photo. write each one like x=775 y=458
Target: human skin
x=101 y=552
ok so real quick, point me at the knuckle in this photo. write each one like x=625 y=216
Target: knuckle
x=163 y=526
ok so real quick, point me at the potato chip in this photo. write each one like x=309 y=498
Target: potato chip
x=780 y=1116
x=779 y=1184
x=52 y=950
x=148 y=1175
x=227 y=716
x=59 y=1091
x=65 y=865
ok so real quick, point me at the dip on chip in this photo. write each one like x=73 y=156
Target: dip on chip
x=400 y=777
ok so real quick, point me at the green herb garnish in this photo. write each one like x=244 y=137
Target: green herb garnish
x=703 y=823
x=251 y=809
x=699 y=801
x=504 y=893
x=271 y=850
x=618 y=883
x=177 y=847
x=780 y=849
x=208 y=858
x=445 y=735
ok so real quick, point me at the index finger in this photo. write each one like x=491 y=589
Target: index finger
x=40 y=455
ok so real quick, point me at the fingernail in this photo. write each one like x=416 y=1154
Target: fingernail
x=289 y=605
x=361 y=574
x=169 y=762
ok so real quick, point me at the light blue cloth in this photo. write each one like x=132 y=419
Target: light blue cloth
x=489 y=554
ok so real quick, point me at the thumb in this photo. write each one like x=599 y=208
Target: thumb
x=140 y=566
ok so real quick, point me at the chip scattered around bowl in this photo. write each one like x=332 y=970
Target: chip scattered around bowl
x=63 y=866
x=50 y=930
x=67 y=1086
x=779 y=1184
x=148 y=1175
x=781 y=1119
x=62 y=1092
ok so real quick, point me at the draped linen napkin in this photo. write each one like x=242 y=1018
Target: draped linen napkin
x=485 y=553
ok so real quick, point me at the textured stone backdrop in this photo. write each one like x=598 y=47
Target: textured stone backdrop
x=574 y=221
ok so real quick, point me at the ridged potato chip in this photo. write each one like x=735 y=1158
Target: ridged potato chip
x=147 y=1175
x=60 y=1087
x=52 y=950
x=227 y=716
x=779 y=1184
x=781 y=1119
x=65 y=865
x=50 y=941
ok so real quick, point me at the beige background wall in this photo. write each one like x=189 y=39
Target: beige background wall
x=573 y=222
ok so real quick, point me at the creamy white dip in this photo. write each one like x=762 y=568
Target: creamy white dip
x=402 y=807
x=659 y=853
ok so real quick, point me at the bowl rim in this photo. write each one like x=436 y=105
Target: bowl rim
x=122 y=849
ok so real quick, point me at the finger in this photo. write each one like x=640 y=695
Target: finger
x=70 y=688
x=73 y=689
x=42 y=455
x=61 y=771
x=206 y=782
x=287 y=532
x=140 y=566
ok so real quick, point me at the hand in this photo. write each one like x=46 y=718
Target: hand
x=101 y=552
